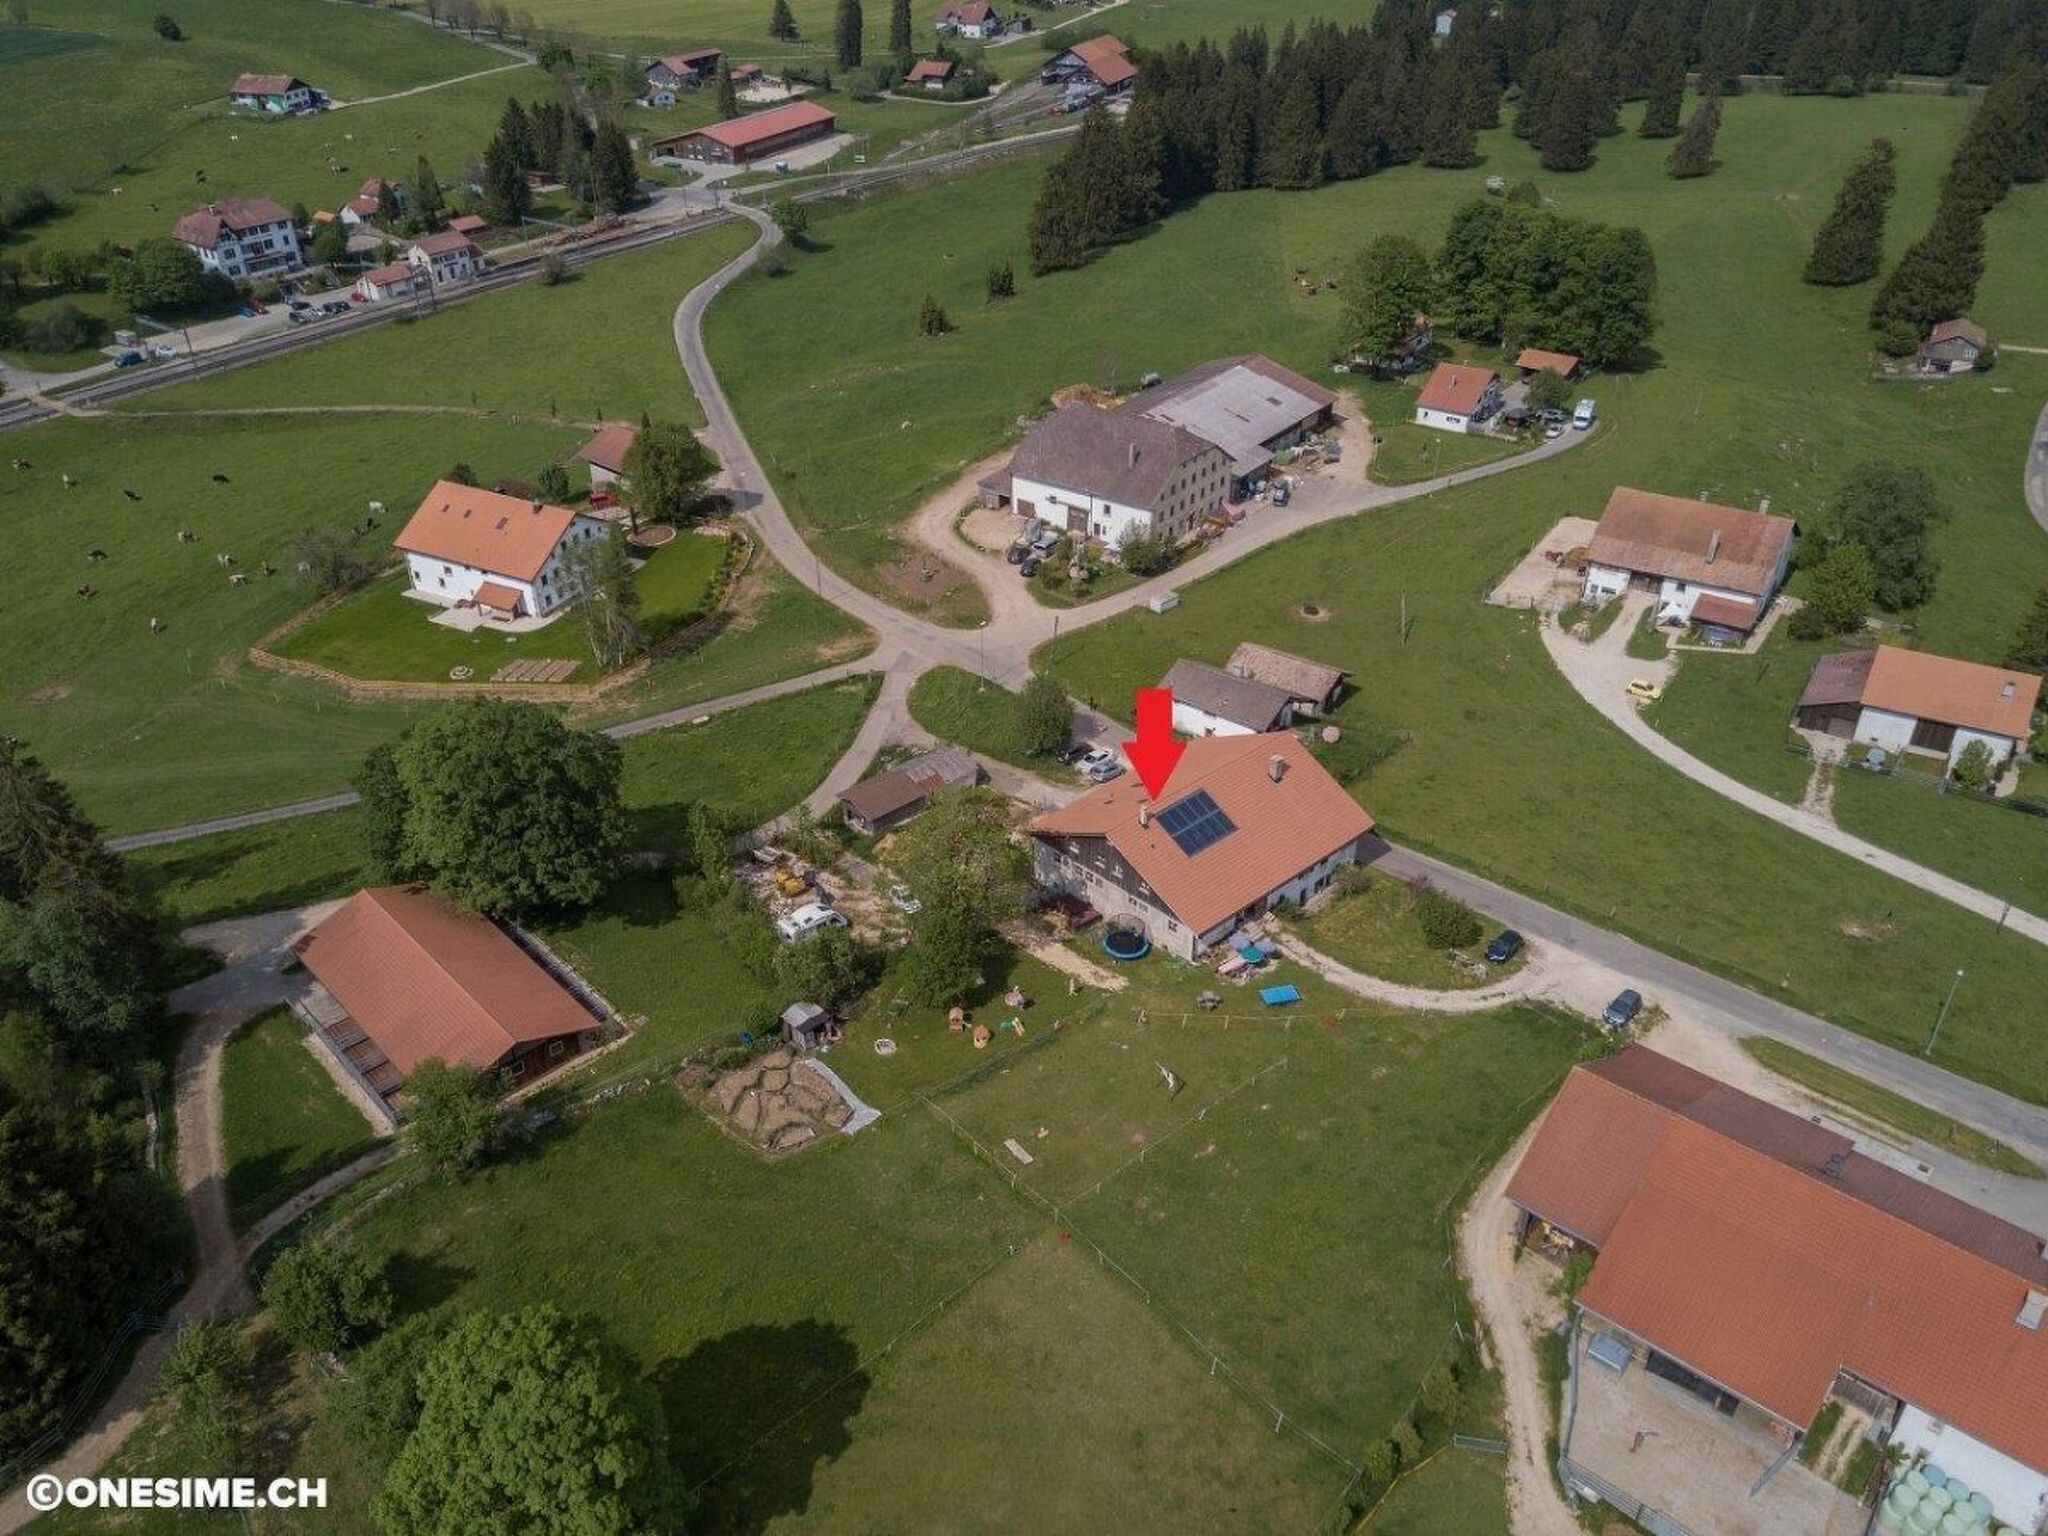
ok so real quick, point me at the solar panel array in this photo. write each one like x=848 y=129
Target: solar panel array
x=1196 y=823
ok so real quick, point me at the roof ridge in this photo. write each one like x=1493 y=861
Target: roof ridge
x=377 y=894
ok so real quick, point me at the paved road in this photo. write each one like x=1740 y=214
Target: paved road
x=2037 y=471
x=1599 y=672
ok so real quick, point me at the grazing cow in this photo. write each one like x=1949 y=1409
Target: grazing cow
x=85 y=589
x=156 y=626
x=269 y=569
x=187 y=536
x=95 y=554
x=225 y=559
x=220 y=479
x=238 y=580
x=131 y=495
x=68 y=481
x=23 y=464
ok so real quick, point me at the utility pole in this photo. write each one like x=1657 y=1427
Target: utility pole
x=1935 y=1034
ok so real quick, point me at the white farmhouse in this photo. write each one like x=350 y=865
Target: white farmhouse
x=1710 y=565
x=1208 y=701
x=466 y=546
x=1458 y=397
x=1116 y=475
x=243 y=237
x=970 y=18
x=445 y=258
x=276 y=94
x=1909 y=701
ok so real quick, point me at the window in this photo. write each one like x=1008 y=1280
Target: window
x=515 y=1072
x=556 y=1048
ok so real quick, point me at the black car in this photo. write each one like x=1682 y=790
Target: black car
x=1505 y=946
x=334 y=307
x=1016 y=553
x=1028 y=567
x=1623 y=1010
x=1072 y=752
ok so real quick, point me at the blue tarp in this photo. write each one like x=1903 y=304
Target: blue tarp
x=1273 y=997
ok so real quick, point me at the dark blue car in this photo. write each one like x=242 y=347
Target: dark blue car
x=1623 y=1010
x=1505 y=946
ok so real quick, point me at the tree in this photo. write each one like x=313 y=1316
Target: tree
x=728 y=93
x=1002 y=281
x=1446 y=922
x=41 y=827
x=614 y=178
x=1693 y=154
x=331 y=559
x=829 y=968
x=668 y=471
x=206 y=1370
x=330 y=243
x=899 y=28
x=2030 y=643
x=506 y=197
x=1935 y=280
x=461 y=473
x=387 y=204
x=88 y=952
x=1389 y=284
x=957 y=857
x=504 y=807
x=453 y=1115
x=1667 y=101
x=1849 y=246
x=1549 y=391
x=553 y=482
x=1291 y=146
x=162 y=274
x=428 y=200
x=792 y=218
x=1043 y=716
x=383 y=815
x=781 y=23
x=1890 y=511
x=166 y=27
x=551 y=269
x=846 y=34
x=376 y=1405
x=1839 y=592
x=515 y=132
x=324 y=1297
x=598 y=579
x=1380 y=1464
x=529 y=1424
x=1408 y=1444
x=932 y=319
x=1569 y=123
x=1441 y=1394
x=1975 y=766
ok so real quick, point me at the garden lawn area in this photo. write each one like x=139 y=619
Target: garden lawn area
x=283 y=1121
x=675 y=580
x=256 y=869
x=1735 y=712
x=959 y=707
x=1406 y=452
x=137 y=723
x=749 y=764
x=1866 y=1100
x=127 y=162
x=1375 y=931
x=597 y=346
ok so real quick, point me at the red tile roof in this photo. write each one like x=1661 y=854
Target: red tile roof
x=971 y=13
x=1282 y=828
x=931 y=69
x=744 y=132
x=495 y=594
x=475 y=527
x=1107 y=59
x=1456 y=388
x=237 y=214
x=607 y=446
x=425 y=979
x=1963 y=693
x=265 y=85
x=1959 y=330
x=691 y=62
x=469 y=223
x=1767 y=1254
x=1728 y=612
x=1685 y=540
x=383 y=277
x=444 y=242
x=1557 y=362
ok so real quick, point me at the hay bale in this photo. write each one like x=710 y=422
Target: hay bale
x=778 y=1115
x=777 y=1061
x=809 y=1099
x=746 y=1118
x=837 y=1113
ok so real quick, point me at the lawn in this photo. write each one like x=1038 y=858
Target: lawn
x=255 y=869
x=1867 y=1100
x=960 y=707
x=104 y=307
x=598 y=346
x=1375 y=931
x=1404 y=452
x=382 y=633
x=283 y=1121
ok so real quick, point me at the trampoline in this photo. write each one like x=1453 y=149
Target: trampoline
x=1126 y=944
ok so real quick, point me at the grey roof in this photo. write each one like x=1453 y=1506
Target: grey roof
x=1302 y=678
x=1118 y=455
x=909 y=783
x=1253 y=705
x=1241 y=404
x=796 y=1015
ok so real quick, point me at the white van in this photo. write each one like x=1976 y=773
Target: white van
x=808 y=919
x=1582 y=414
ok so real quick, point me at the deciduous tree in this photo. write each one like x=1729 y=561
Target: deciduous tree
x=1043 y=716
x=667 y=471
x=598 y=578
x=957 y=857
x=1839 y=592
x=1890 y=510
x=324 y=1297
x=1385 y=288
x=453 y=1115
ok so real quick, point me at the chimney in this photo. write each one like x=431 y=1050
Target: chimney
x=1132 y=450
x=2032 y=1311
x=1144 y=813
x=1764 y=505
x=1713 y=545
x=537 y=506
x=1276 y=767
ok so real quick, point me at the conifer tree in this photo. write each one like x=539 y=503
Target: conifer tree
x=1666 y=103
x=1570 y=121
x=2030 y=645
x=1450 y=135
x=728 y=93
x=932 y=319
x=428 y=200
x=781 y=23
x=1291 y=154
x=1935 y=280
x=507 y=198
x=515 y=132
x=1693 y=154
x=615 y=181
x=899 y=27
x=1849 y=246
x=846 y=34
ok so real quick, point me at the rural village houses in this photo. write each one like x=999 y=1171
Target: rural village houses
x=1458 y=397
x=1910 y=701
x=277 y=94
x=677 y=72
x=1710 y=565
x=970 y=18
x=466 y=546
x=242 y=237
x=1209 y=701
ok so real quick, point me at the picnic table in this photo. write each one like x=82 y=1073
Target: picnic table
x=1275 y=997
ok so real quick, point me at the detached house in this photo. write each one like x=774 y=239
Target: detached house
x=1710 y=565
x=466 y=546
x=1909 y=701
x=680 y=72
x=1458 y=397
x=242 y=237
x=970 y=18
x=1106 y=61
x=932 y=74
x=278 y=94
x=1115 y=476
x=363 y=207
x=605 y=452
x=896 y=794
x=396 y=281
x=1954 y=346
x=1245 y=822
x=1208 y=701
x=445 y=258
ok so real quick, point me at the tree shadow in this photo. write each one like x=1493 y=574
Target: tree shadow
x=728 y=1397
x=422 y=1282
x=642 y=898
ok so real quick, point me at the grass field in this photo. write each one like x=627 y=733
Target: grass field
x=283 y=1123
x=1406 y=452
x=596 y=347
x=1871 y=1102
x=170 y=117
x=257 y=869
x=1375 y=931
x=960 y=707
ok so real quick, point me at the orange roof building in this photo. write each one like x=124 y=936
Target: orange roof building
x=405 y=976
x=1537 y=360
x=1105 y=59
x=605 y=452
x=755 y=136
x=462 y=537
x=1763 y=1253
x=1685 y=551
x=1243 y=823
x=1910 y=701
x=1457 y=397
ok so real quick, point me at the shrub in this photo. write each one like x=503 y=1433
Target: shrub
x=1975 y=767
x=65 y=328
x=1408 y=1444
x=1446 y=922
x=166 y=27
x=552 y=270
x=932 y=319
x=1353 y=880
x=1147 y=555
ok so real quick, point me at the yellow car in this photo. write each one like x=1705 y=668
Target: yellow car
x=1643 y=689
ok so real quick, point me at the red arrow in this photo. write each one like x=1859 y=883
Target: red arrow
x=1154 y=754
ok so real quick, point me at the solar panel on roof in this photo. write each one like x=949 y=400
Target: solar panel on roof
x=1195 y=823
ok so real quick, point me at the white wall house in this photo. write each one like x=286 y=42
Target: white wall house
x=445 y=258
x=1115 y=475
x=1705 y=562
x=396 y=281
x=970 y=18
x=1209 y=701
x=276 y=94
x=1675 y=599
x=466 y=545
x=1458 y=397
x=1914 y=701
x=1193 y=492
x=243 y=237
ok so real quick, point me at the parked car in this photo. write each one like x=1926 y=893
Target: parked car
x=806 y=920
x=1645 y=690
x=164 y=350
x=1553 y=429
x=1028 y=566
x=1622 y=1011
x=1095 y=757
x=301 y=316
x=1016 y=552
x=1072 y=752
x=334 y=307
x=127 y=359
x=1505 y=946
x=1280 y=493
x=295 y=304
x=902 y=900
x=1102 y=773
x=1583 y=413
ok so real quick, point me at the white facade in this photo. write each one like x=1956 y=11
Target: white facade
x=1894 y=732
x=989 y=26
x=449 y=582
x=445 y=267
x=298 y=99
x=1675 y=599
x=255 y=252
x=1196 y=490
x=2018 y=1494
x=1190 y=720
x=1443 y=421
x=374 y=288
